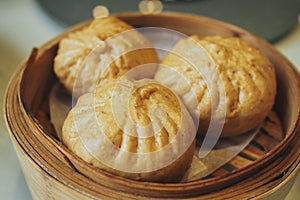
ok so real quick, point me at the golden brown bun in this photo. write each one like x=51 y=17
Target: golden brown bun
x=106 y=49
x=247 y=76
x=136 y=129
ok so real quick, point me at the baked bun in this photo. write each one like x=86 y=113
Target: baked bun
x=136 y=129
x=106 y=49
x=218 y=67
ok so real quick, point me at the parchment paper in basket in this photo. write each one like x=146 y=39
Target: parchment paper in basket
x=60 y=103
x=225 y=150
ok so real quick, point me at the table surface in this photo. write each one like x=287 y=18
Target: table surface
x=24 y=25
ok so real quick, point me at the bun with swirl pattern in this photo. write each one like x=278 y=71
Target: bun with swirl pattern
x=106 y=49
x=136 y=129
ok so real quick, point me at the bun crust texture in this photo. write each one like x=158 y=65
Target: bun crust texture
x=226 y=70
x=136 y=129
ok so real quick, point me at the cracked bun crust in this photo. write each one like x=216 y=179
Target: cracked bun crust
x=106 y=49
x=247 y=79
x=136 y=129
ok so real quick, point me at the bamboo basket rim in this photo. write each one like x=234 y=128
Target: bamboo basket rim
x=170 y=186
x=276 y=187
x=175 y=15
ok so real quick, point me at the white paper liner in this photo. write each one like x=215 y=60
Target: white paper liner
x=60 y=103
x=224 y=151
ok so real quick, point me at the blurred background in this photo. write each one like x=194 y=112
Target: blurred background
x=25 y=24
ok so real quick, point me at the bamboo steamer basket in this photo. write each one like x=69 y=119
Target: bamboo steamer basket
x=265 y=169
